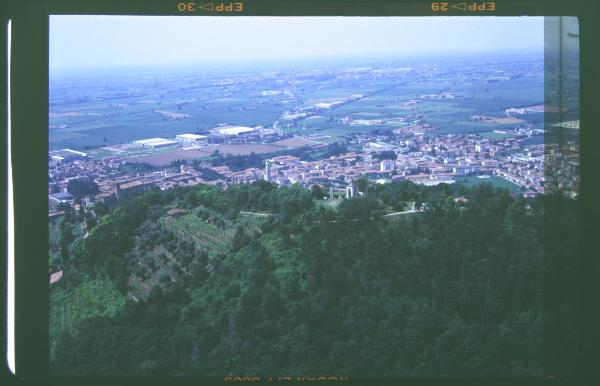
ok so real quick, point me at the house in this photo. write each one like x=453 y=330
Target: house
x=126 y=189
x=176 y=212
x=62 y=197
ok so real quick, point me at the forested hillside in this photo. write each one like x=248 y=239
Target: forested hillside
x=260 y=280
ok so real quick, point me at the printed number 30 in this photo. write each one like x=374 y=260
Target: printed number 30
x=190 y=7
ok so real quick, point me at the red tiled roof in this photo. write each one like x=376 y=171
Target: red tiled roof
x=56 y=276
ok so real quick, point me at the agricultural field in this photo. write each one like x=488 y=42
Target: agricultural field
x=295 y=142
x=159 y=267
x=448 y=115
x=84 y=115
x=190 y=226
x=336 y=132
x=506 y=121
x=101 y=111
x=165 y=158
x=495 y=135
x=245 y=149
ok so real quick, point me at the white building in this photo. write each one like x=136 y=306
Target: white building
x=378 y=147
x=61 y=197
x=155 y=142
x=387 y=165
x=66 y=154
x=190 y=138
x=465 y=170
x=268 y=170
x=235 y=130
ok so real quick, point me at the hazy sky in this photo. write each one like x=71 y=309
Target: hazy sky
x=107 y=41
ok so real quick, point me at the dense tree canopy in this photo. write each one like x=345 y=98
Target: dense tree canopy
x=320 y=288
x=81 y=187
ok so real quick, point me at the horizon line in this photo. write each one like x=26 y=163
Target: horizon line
x=300 y=60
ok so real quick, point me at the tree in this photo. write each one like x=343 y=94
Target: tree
x=453 y=290
x=388 y=154
x=90 y=221
x=100 y=209
x=336 y=149
x=362 y=184
x=81 y=187
x=66 y=207
x=240 y=239
x=317 y=192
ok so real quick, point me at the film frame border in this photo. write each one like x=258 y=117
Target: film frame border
x=29 y=81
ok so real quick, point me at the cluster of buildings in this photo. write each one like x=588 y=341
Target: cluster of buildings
x=222 y=133
x=422 y=159
x=524 y=110
x=413 y=151
x=409 y=154
x=217 y=134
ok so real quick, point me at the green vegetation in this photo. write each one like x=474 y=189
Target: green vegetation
x=64 y=235
x=494 y=180
x=84 y=116
x=93 y=298
x=495 y=135
x=202 y=232
x=260 y=280
x=81 y=187
x=54 y=233
x=208 y=174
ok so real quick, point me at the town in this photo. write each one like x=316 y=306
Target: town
x=406 y=154
x=383 y=133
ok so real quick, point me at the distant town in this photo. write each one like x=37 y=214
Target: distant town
x=378 y=133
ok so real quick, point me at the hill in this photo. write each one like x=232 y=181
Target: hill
x=256 y=280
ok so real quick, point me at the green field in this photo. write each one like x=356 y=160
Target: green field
x=125 y=109
x=205 y=234
x=495 y=181
x=494 y=135
x=448 y=115
x=98 y=118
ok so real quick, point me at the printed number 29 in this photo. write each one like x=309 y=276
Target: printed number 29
x=439 y=7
